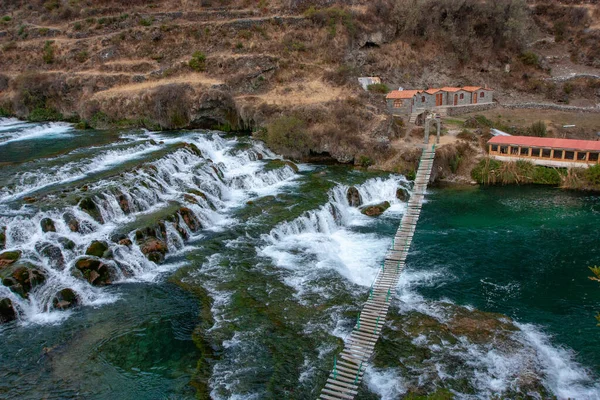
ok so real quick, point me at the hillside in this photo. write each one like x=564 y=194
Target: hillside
x=286 y=70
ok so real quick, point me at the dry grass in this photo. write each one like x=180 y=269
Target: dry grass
x=192 y=79
x=301 y=93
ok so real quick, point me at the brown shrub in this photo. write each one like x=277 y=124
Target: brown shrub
x=172 y=105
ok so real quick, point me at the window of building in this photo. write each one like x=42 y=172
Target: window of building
x=462 y=96
x=593 y=157
x=581 y=155
x=482 y=94
x=569 y=155
x=535 y=152
x=503 y=149
x=514 y=150
x=495 y=148
x=422 y=99
x=546 y=153
x=397 y=103
x=558 y=154
x=525 y=151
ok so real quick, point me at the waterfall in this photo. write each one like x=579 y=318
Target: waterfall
x=134 y=217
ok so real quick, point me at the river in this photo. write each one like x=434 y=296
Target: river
x=258 y=272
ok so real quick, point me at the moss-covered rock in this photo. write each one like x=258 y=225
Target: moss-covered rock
x=277 y=164
x=66 y=243
x=402 y=194
x=154 y=249
x=353 y=196
x=123 y=203
x=190 y=219
x=21 y=278
x=94 y=271
x=65 y=299
x=7 y=311
x=2 y=237
x=9 y=257
x=375 y=210
x=47 y=225
x=96 y=248
x=90 y=208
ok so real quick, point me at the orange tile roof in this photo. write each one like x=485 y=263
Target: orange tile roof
x=530 y=141
x=450 y=89
x=471 y=88
x=432 y=90
x=401 y=94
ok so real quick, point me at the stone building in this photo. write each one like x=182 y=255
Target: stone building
x=440 y=100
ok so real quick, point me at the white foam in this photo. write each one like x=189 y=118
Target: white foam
x=388 y=383
x=55 y=130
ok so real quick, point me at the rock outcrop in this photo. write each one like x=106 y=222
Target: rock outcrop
x=97 y=249
x=47 y=225
x=375 y=210
x=402 y=194
x=9 y=257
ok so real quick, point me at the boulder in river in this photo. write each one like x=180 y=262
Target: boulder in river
x=2 y=237
x=190 y=219
x=21 y=278
x=51 y=253
x=354 y=197
x=7 y=311
x=154 y=249
x=47 y=225
x=9 y=257
x=65 y=299
x=375 y=210
x=402 y=194
x=66 y=243
x=90 y=208
x=97 y=249
x=94 y=271
x=71 y=222
x=123 y=203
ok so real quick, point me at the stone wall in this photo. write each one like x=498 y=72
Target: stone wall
x=546 y=106
x=459 y=110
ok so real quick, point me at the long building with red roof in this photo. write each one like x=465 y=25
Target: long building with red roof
x=550 y=152
x=415 y=102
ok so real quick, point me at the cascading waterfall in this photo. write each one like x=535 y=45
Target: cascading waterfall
x=118 y=228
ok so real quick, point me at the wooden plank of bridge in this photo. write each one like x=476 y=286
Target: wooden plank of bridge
x=349 y=368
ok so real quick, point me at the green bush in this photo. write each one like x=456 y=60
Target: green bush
x=146 y=22
x=364 y=161
x=288 y=135
x=592 y=175
x=490 y=171
x=530 y=58
x=455 y=163
x=48 y=54
x=537 y=129
x=44 y=114
x=378 y=88
x=82 y=56
x=6 y=18
x=198 y=61
x=77 y=26
x=4 y=112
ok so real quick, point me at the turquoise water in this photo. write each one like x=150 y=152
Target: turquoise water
x=256 y=303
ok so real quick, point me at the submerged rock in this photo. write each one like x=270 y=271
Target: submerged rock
x=97 y=249
x=375 y=210
x=2 y=237
x=91 y=209
x=65 y=299
x=9 y=257
x=21 y=278
x=354 y=197
x=94 y=271
x=7 y=311
x=47 y=225
x=402 y=194
x=66 y=243
x=52 y=253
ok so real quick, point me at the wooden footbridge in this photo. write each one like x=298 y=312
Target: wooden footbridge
x=349 y=367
